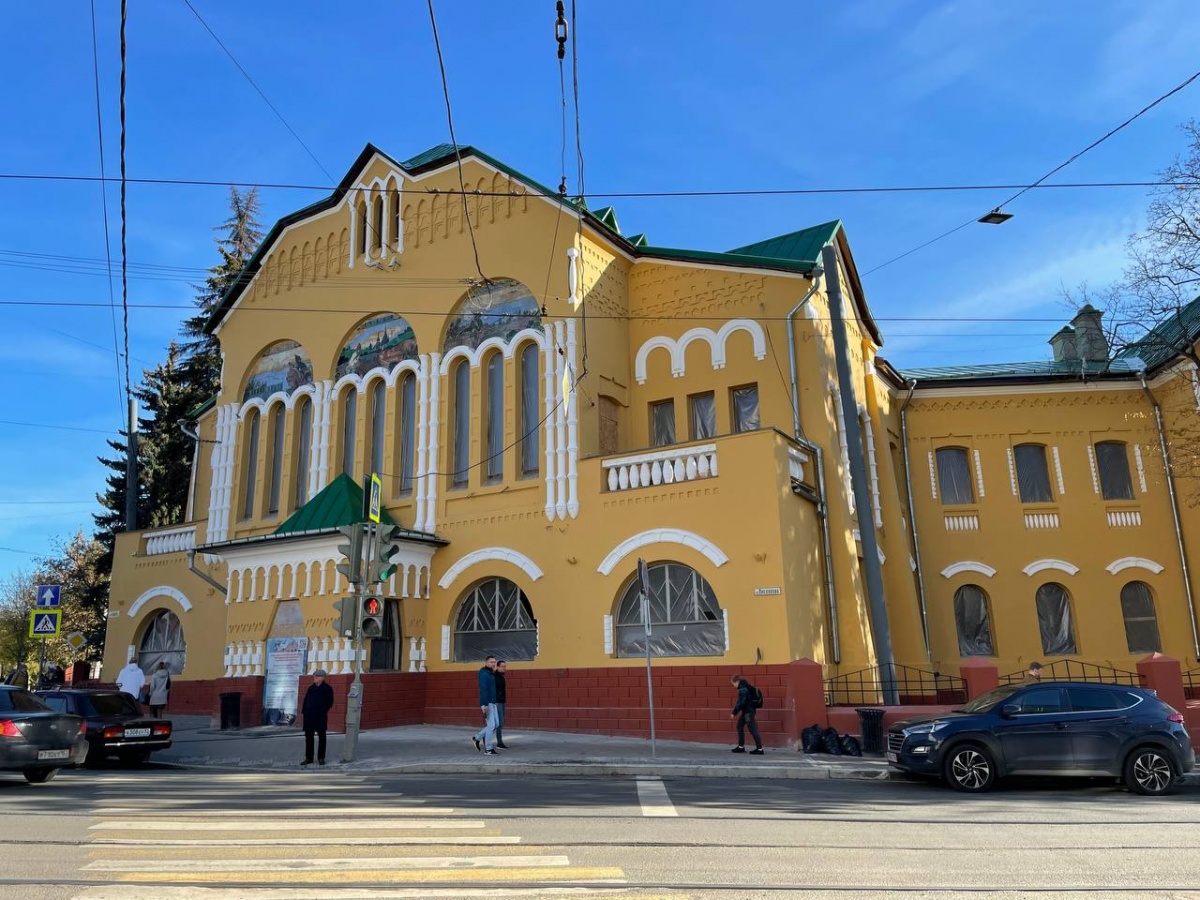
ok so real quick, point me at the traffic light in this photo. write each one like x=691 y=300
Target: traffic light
x=387 y=547
x=345 y=609
x=372 y=617
x=351 y=566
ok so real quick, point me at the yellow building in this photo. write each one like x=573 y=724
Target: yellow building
x=546 y=401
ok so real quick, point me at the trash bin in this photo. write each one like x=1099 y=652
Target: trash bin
x=870 y=725
x=231 y=711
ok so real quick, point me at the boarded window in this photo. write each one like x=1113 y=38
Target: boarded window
x=1054 y=620
x=662 y=423
x=743 y=402
x=702 y=412
x=610 y=441
x=973 y=621
x=954 y=476
x=1033 y=474
x=1112 y=462
x=1141 y=622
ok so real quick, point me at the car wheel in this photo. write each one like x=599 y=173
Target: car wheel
x=39 y=776
x=1148 y=771
x=969 y=767
x=136 y=758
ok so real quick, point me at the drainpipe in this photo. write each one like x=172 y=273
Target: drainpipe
x=912 y=519
x=1187 y=578
x=835 y=643
x=191 y=555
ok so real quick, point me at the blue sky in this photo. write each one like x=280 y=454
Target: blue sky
x=674 y=96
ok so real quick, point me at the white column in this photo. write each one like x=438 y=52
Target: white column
x=314 y=477
x=422 y=437
x=548 y=419
x=214 y=488
x=560 y=425
x=435 y=365
x=573 y=278
x=572 y=423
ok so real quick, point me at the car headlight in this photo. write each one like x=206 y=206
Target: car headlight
x=925 y=728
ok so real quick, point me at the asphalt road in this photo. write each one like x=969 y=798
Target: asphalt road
x=162 y=833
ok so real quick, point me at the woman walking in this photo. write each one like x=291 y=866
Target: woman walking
x=160 y=689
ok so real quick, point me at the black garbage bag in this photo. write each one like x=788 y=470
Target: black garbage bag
x=811 y=740
x=832 y=742
x=851 y=746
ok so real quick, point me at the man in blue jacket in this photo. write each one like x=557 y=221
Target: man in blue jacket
x=485 y=738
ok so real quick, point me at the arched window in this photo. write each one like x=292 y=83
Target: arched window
x=251 y=481
x=974 y=623
x=408 y=432
x=1112 y=462
x=530 y=416
x=162 y=641
x=378 y=423
x=377 y=215
x=1033 y=474
x=1054 y=620
x=394 y=204
x=494 y=466
x=495 y=619
x=349 y=429
x=303 y=452
x=362 y=228
x=685 y=618
x=461 y=450
x=1141 y=623
x=276 y=459
x=954 y=476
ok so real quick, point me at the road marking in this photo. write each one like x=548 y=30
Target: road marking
x=243 y=825
x=383 y=840
x=164 y=892
x=655 y=800
x=589 y=875
x=332 y=864
x=263 y=813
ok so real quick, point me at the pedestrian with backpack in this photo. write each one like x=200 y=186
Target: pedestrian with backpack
x=749 y=699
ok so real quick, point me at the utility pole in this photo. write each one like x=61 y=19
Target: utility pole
x=873 y=572
x=131 y=468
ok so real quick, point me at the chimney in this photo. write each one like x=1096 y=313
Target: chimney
x=1090 y=343
x=1064 y=345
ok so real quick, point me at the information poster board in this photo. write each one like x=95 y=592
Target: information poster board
x=287 y=659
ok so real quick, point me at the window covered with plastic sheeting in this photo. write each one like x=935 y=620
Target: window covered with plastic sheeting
x=378 y=424
x=973 y=621
x=662 y=423
x=1033 y=474
x=495 y=619
x=303 y=452
x=954 y=476
x=349 y=429
x=744 y=403
x=162 y=641
x=530 y=415
x=1112 y=462
x=1054 y=620
x=703 y=413
x=1141 y=622
x=408 y=433
x=251 y=467
x=685 y=618
x=495 y=417
x=462 y=425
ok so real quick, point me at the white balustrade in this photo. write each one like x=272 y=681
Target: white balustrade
x=421 y=668
x=1124 y=518
x=1041 y=520
x=413 y=660
x=661 y=467
x=171 y=540
x=963 y=522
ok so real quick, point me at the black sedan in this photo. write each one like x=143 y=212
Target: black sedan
x=34 y=739
x=1051 y=728
x=116 y=725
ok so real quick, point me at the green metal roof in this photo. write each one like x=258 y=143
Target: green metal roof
x=1045 y=369
x=1165 y=341
x=803 y=246
x=340 y=503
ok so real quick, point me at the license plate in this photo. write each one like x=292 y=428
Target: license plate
x=137 y=732
x=892 y=757
x=54 y=754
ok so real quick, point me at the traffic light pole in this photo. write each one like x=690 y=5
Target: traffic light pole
x=354 y=699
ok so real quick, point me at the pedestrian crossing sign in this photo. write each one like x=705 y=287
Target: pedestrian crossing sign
x=44 y=623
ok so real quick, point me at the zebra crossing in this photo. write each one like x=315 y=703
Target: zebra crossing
x=276 y=836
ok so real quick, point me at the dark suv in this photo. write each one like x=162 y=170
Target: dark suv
x=1050 y=728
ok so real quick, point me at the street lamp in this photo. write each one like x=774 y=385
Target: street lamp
x=995 y=217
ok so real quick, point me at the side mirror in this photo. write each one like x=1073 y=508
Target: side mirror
x=1009 y=710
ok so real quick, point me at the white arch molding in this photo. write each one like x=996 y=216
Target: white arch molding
x=491 y=554
x=509 y=348
x=968 y=565
x=701 y=545
x=1042 y=565
x=1133 y=562
x=161 y=591
x=716 y=340
x=289 y=401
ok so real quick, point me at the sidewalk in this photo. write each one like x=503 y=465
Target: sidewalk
x=447 y=749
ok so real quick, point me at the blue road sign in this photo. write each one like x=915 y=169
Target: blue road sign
x=48 y=596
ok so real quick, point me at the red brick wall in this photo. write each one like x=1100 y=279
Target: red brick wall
x=389 y=698
x=197 y=698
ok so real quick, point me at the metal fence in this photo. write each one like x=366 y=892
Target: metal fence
x=1191 y=685
x=914 y=687
x=1073 y=670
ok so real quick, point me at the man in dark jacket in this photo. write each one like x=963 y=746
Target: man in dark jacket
x=745 y=711
x=501 y=701
x=318 y=700
x=485 y=738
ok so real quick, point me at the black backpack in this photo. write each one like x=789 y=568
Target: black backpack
x=757 y=698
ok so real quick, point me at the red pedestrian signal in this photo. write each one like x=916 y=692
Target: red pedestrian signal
x=372 y=617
